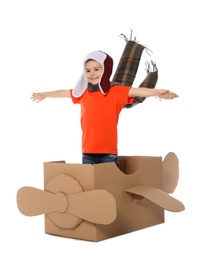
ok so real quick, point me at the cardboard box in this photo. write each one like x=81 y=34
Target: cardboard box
x=100 y=201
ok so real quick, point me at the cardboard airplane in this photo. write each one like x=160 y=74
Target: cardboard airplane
x=100 y=201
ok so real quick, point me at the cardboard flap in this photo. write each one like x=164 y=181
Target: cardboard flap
x=158 y=197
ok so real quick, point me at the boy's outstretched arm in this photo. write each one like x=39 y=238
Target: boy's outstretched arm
x=148 y=92
x=50 y=94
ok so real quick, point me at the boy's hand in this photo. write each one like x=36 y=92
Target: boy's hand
x=37 y=97
x=166 y=94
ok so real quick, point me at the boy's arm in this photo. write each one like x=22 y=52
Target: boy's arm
x=148 y=92
x=50 y=94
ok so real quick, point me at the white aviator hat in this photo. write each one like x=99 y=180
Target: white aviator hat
x=104 y=84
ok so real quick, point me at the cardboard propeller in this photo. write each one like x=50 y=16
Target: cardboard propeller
x=71 y=208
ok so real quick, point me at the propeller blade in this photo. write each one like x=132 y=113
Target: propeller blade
x=96 y=206
x=32 y=201
x=158 y=197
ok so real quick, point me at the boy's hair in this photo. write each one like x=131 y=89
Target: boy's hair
x=89 y=60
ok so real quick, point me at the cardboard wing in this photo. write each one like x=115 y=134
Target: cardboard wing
x=96 y=202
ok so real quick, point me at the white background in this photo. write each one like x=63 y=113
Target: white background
x=42 y=46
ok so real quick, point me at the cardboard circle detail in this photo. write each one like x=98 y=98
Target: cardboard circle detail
x=65 y=184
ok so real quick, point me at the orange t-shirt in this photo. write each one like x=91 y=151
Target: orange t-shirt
x=99 y=118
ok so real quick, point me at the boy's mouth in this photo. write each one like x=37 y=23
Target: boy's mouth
x=95 y=78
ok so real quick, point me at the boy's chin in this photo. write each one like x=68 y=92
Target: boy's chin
x=94 y=82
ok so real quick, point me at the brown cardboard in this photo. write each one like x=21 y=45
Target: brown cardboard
x=96 y=202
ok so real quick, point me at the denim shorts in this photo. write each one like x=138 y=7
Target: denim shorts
x=91 y=158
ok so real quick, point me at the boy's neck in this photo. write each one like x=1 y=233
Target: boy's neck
x=93 y=87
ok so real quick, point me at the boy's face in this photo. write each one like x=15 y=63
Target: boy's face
x=93 y=71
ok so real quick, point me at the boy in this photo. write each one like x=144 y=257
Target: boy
x=101 y=105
